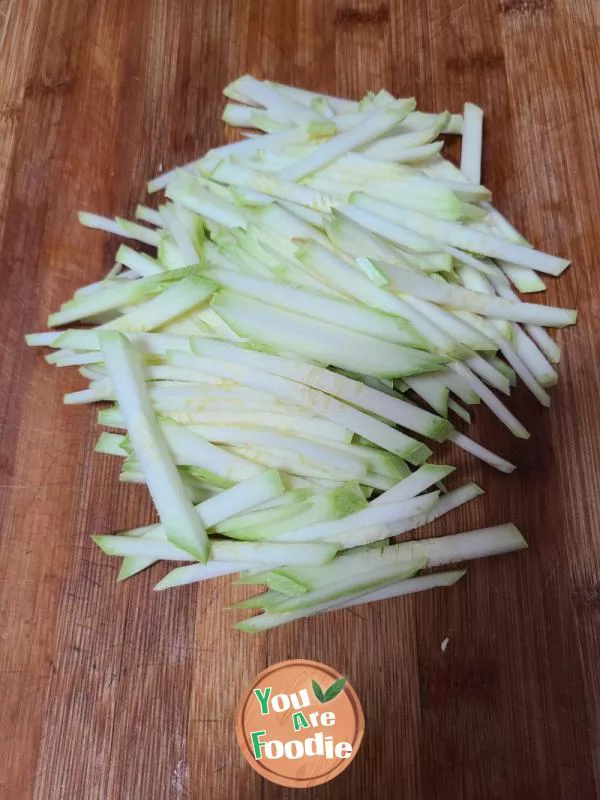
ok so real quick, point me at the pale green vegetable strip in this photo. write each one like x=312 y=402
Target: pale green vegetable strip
x=454 y=325
x=374 y=125
x=191 y=448
x=375 y=275
x=526 y=352
x=323 y=307
x=159 y=374
x=470 y=154
x=505 y=369
x=353 y=239
x=509 y=232
x=163 y=180
x=109 y=299
x=278 y=514
x=145 y=547
x=140 y=233
x=480 y=543
x=420 y=480
x=193 y=573
x=384 y=514
x=368 y=537
x=266 y=599
x=110 y=444
x=144 y=343
x=272 y=185
x=416 y=154
x=262 y=93
x=436 y=552
x=426 y=288
x=190 y=192
x=403 y=236
x=68 y=358
x=297 y=422
x=255 y=405
x=469 y=192
x=183 y=526
x=488 y=371
x=42 y=339
x=525 y=279
x=539 y=335
x=320 y=453
x=178 y=299
x=522 y=345
x=351 y=391
x=249 y=552
x=273 y=522
x=481 y=452
x=267 y=621
x=377 y=461
x=246 y=117
x=372 y=429
x=459 y=387
x=386 y=148
x=140 y=263
x=94 y=372
x=295 y=581
x=196 y=489
x=352 y=283
x=409 y=586
x=451 y=500
x=463 y=413
x=418 y=120
x=246 y=495
x=448 y=502
x=241 y=498
x=431 y=389
x=120 y=227
x=291 y=463
x=99 y=390
x=339 y=105
x=274 y=553
x=182 y=238
x=133 y=565
x=491 y=401
x=474 y=241
x=545 y=342
x=150 y=215
x=348 y=587
x=393 y=232
x=319 y=341
x=189 y=398
x=310 y=215
x=290 y=496
x=271 y=142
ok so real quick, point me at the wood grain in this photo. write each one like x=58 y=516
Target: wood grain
x=114 y=692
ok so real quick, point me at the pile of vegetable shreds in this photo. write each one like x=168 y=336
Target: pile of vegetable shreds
x=320 y=296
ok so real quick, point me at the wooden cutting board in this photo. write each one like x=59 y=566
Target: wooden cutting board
x=113 y=692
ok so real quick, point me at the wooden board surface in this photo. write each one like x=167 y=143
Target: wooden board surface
x=113 y=692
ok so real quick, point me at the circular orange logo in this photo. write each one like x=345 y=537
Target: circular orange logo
x=299 y=724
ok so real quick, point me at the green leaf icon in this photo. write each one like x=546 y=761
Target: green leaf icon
x=334 y=689
x=318 y=692
x=332 y=692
